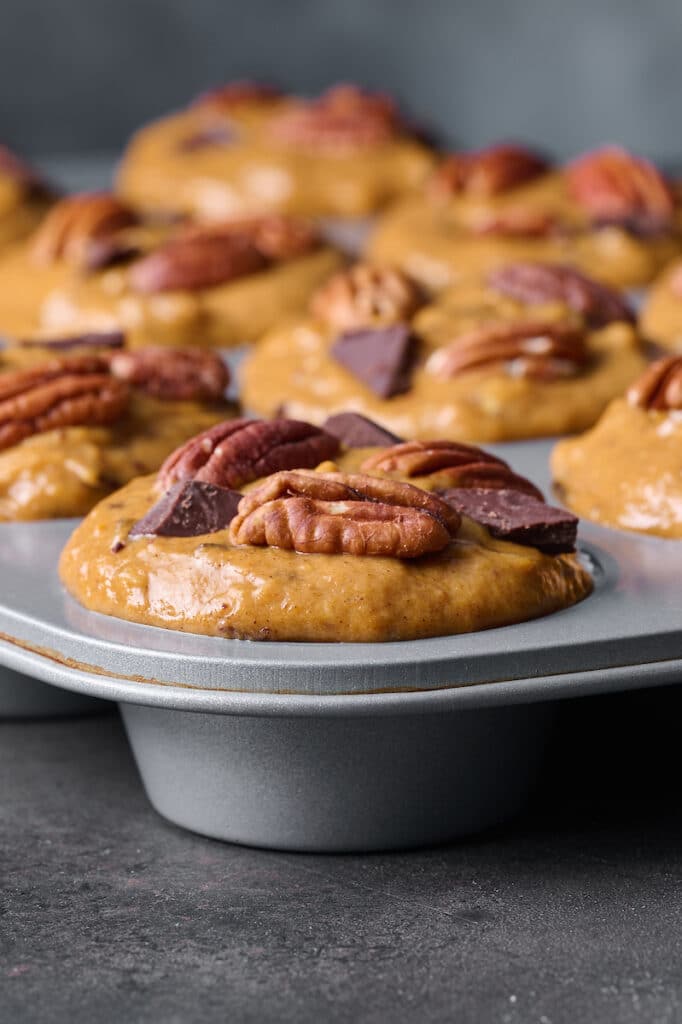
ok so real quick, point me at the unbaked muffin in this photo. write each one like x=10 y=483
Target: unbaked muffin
x=531 y=351
x=96 y=265
x=609 y=213
x=244 y=149
x=419 y=539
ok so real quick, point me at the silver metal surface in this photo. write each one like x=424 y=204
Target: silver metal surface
x=338 y=784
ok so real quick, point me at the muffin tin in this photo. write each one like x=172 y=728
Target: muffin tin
x=347 y=746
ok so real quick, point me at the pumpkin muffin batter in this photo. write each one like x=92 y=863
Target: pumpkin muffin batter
x=627 y=471
x=530 y=352
x=25 y=197
x=609 y=213
x=661 y=315
x=95 y=266
x=323 y=555
x=242 y=150
x=75 y=428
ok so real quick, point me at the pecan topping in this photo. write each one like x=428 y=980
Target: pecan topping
x=227 y=98
x=175 y=374
x=77 y=391
x=487 y=172
x=365 y=295
x=464 y=465
x=343 y=119
x=538 y=282
x=660 y=386
x=615 y=187
x=545 y=351
x=74 y=224
x=236 y=452
x=334 y=513
x=277 y=236
x=202 y=258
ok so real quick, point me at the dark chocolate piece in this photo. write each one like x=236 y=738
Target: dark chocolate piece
x=380 y=357
x=189 y=509
x=216 y=135
x=517 y=517
x=356 y=431
x=94 y=339
x=108 y=252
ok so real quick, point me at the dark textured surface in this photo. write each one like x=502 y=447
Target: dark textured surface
x=82 y=74
x=572 y=914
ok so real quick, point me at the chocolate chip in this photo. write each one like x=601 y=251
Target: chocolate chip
x=94 y=339
x=189 y=509
x=356 y=431
x=520 y=518
x=380 y=357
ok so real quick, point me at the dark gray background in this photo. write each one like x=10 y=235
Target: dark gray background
x=79 y=75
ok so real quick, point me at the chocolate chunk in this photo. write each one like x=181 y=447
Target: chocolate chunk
x=102 y=253
x=380 y=357
x=189 y=509
x=520 y=518
x=216 y=135
x=356 y=431
x=94 y=339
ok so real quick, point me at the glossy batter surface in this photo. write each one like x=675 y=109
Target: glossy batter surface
x=626 y=471
x=66 y=472
x=206 y=585
x=253 y=174
x=292 y=369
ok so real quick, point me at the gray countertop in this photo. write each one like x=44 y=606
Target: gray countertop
x=573 y=913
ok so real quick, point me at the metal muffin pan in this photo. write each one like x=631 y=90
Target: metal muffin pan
x=347 y=746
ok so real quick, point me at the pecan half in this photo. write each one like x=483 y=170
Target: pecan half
x=178 y=374
x=75 y=223
x=334 y=513
x=229 y=97
x=546 y=351
x=202 y=258
x=277 y=236
x=366 y=295
x=464 y=465
x=614 y=187
x=236 y=452
x=343 y=119
x=63 y=393
x=660 y=386
x=487 y=172
x=546 y=282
